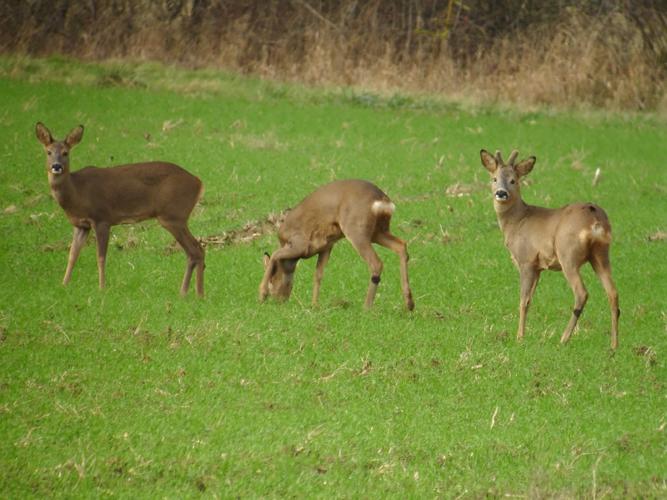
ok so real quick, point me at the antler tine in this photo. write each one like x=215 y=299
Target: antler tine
x=499 y=158
x=512 y=158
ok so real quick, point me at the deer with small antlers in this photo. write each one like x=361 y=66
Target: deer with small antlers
x=98 y=198
x=560 y=239
x=352 y=209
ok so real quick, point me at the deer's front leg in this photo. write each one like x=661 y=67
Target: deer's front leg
x=78 y=240
x=529 y=277
x=322 y=260
x=102 y=234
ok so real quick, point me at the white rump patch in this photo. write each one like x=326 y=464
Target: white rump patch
x=596 y=232
x=383 y=207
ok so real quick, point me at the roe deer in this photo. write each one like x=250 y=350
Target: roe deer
x=557 y=239
x=99 y=198
x=354 y=209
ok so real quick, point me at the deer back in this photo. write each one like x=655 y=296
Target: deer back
x=130 y=193
x=319 y=218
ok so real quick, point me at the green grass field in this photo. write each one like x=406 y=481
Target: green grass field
x=136 y=392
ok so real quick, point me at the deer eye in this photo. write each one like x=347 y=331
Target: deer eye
x=494 y=179
x=65 y=153
x=513 y=181
x=48 y=153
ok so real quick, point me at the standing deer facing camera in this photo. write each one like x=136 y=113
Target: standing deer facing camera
x=99 y=198
x=354 y=209
x=560 y=239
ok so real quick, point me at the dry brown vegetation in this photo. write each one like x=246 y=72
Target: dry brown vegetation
x=590 y=53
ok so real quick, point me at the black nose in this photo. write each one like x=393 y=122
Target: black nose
x=56 y=168
x=501 y=194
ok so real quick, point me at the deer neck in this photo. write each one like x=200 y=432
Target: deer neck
x=62 y=189
x=509 y=217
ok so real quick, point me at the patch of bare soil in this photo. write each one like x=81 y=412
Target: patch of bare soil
x=459 y=190
x=249 y=232
x=658 y=236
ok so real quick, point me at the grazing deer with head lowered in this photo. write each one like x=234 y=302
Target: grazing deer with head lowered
x=352 y=209
x=560 y=239
x=99 y=198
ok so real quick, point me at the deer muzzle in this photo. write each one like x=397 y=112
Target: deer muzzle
x=502 y=195
x=56 y=168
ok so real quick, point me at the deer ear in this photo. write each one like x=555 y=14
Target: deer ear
x=266 y=258
x=74 y=137
x=488 y=160
x=43 y=134
x=524 y=167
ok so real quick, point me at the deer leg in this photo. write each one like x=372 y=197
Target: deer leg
x=364 y=247
x=195 y=255
x=194 y=252
x=289 y=251
x=399 y=247
x=322 y=259
x=529 y=277
x=78 y=240
x=580 y=297
x=602 y=267
x=102 y=234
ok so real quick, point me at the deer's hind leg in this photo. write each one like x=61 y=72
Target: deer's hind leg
x=363 y=246
x=602 y=267
x=399 y=247
x=573 y=277
x=571 y=256
x=193 y=250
